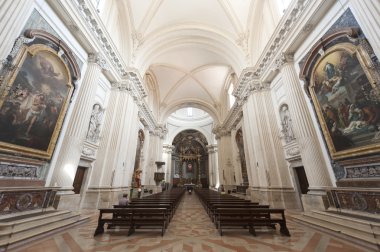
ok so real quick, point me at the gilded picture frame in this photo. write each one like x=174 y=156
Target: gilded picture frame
x=345 y=94
x=33 y=102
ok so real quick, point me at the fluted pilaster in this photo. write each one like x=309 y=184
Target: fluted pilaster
x=11 y=23
x=167 y=158
x=110 y=122
x=250 y=154
x=312 y=159
x=69 y=155
x=128 y=144
x=258 y=140
x=277 y=165
x=367 y=13
x=213 y=168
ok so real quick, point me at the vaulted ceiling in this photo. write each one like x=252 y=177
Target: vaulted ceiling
x=190 y=47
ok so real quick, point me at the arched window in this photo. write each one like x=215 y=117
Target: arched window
x=230 y=96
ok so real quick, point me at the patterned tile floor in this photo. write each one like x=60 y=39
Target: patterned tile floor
x=190 y=230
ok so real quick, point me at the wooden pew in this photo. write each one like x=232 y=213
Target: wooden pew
x=132 y=218
x=243 y=218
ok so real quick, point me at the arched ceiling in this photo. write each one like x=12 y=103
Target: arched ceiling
x=190 y=46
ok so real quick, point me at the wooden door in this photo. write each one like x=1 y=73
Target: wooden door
x=78 y=180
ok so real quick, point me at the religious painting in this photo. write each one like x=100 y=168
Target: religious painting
x=33 y=102
x=347 y=101
x=189 y=167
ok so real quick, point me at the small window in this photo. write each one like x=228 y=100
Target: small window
x=190 y=112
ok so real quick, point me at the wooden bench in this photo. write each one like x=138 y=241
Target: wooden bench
x=133 y=218
x=250 y=217
x=215 y=207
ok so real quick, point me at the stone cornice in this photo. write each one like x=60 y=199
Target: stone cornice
x=273 y=47
x=145 y=115
x=101 y=35
x=94 y=24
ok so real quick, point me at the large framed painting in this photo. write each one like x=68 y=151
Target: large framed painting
x=346 y=98
x=33 y=102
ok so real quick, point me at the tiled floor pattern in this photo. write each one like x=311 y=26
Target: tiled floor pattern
x=190 y=230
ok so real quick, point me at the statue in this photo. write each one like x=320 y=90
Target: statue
x=94 y=126
x=138 y=178
x=287 y=126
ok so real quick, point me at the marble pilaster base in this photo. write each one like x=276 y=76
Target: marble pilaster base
x=275 y=197
x=312 y=202
x=67 y=202
x=102 y=197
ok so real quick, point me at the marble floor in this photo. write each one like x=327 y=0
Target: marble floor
x=189 y=230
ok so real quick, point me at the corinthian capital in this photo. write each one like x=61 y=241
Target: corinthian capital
x=283 y=59
x=96 y=58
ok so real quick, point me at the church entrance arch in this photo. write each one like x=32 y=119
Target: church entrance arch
x=190 y=159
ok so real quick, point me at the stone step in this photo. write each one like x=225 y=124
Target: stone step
x=364 y=224
x=15 y=232
x=364 y=231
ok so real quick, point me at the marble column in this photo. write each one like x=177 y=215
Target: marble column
x=213 y=165
x=225 y=166
x=70 y=152
x=167 y=158
x=367 y=13
x=12 y=19
x=311 y=154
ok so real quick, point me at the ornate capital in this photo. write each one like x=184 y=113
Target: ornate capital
x=115 y=85
x=220 y=131
x=125 y=86
x=96 y=58
x=283 y=59
x=168 y=148
x=211 y=148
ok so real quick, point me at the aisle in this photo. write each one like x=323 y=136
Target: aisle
x=189 y=231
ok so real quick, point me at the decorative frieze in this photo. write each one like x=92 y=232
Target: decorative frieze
x=370 y=171
x=25 y=200
x=356 y=200
x=8 y=170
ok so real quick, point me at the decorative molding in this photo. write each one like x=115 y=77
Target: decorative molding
x=294 y=151
x=288 y=23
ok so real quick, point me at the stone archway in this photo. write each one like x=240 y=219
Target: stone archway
x=190 y=159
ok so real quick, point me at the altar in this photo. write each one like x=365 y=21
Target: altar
x=189 y=186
